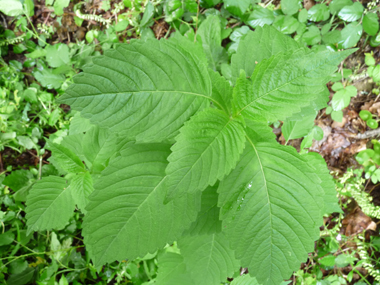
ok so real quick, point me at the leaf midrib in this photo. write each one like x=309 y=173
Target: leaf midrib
x=203 y=153
x=142 y=91
x=267 y=192
x=72 y=158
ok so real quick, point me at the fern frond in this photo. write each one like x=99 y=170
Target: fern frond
x=355 y=188
x=367 y=264
x=90 y=17
x=13 y=41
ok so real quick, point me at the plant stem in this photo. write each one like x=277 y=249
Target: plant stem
x=196 y=24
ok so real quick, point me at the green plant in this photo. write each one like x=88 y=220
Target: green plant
x=373 y=71
x=368 y=118
x=340 y=100
x=370 y=159
x=333 y=262
x=24 y=110
x=58 y=255
x=363 y=248
x=351 y=185
x=139 y=193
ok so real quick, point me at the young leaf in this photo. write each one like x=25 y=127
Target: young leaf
x=79 y=125
x=290 y=7
x=319 y=12
x=312 y=36
x=57 y=55
x=298 y=129
x=65 y=159
x=17 y=179
x=286 y=24
x=237 y=8
x=126 y=217
x=210 y=35
x=258 y=45
x=74 y=143
x=59 y=5
x=351 y=13
x=208 y=258
x=221 y=91
x=148 y=14
x=98 y=146
x=302 y=16
x=49 y=79
x=144 y=89
x=371 y=23
x=259 y=131
x=49 y=204
x=81 y=187
x=342 y=98
x=172 y=270
x=28 y=8
x=284 y=83
x=276 y=219
x=207 y=148
x=336 y=5
x=260 y=17
x=351 y=34
x=332 y=37
x=20 y=181
x=207 y=221
x=244 y=280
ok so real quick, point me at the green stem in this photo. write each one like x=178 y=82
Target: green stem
x=34 y=30
x=362 y=277
x=147 y=270
x=196 y=24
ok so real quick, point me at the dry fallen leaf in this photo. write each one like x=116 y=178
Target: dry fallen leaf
x=356 y=222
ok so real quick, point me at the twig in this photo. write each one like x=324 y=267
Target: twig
x=47 y=18
x=40 y=168
x=369 y=134
x=235 y=25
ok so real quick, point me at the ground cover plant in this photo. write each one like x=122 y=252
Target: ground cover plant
x=139 y=193
x=75 y=150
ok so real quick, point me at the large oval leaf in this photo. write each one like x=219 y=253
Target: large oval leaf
x=146 y=89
